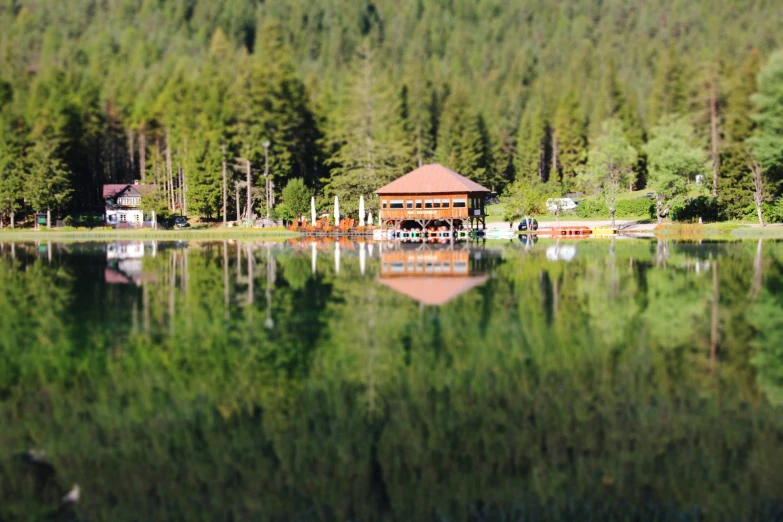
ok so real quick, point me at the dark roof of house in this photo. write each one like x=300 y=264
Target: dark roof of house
x=431 y=179
x=112 y=190
x=433 y=291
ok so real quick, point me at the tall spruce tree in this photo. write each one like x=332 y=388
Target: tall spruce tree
x=735 y=160
x=568 y=142
x=463 y=142
x=533 y=144
x=767 y=139
x=371 y=148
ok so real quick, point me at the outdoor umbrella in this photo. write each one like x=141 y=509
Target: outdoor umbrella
x=336 y=211
x=312 y=211
x=369 y=219
x=361 y=211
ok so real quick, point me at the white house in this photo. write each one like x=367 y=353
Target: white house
x=123 y=204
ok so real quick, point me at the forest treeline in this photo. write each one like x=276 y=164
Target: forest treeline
x=350 y=95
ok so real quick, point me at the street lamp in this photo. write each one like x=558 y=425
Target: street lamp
x=266 y=177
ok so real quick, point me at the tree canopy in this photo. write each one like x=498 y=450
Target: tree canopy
x=352 y=95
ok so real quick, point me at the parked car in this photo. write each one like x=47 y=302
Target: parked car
x=181 y=222
x=522 y=227
x=563 y=204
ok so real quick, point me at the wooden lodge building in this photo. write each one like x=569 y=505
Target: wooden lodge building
x=432 y=195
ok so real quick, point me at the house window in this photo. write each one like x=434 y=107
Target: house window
x=123 y=218
x=384 y=203
x=418 y=203
x=395 y=203
x=436 y=204
x=444 y=203
x=427 y=203
x=129 y=201
x=409 y=203
x=460 y=203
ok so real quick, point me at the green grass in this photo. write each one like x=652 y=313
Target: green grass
x=108 y=234
x=768 y=232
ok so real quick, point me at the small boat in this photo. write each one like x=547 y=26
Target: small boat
x=604 y=230
x=567 y=232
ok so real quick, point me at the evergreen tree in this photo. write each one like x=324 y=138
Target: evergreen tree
x=533 y=145
x=733 y=189
x=47 y=181
x=767 y=139
x=568 y=142
x=463 y=142
x=370 y=151
x=669 y=90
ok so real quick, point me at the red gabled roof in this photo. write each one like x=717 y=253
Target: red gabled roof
x=433 y=291
x=431 y=179
x=112 y=190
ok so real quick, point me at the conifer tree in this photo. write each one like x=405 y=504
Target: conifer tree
x=767 y=139
x=463 y=142
x=669 y=92
x=47 y=182
x=735 y=160
x=368 y=151
x=568 y=142
x=533 y=145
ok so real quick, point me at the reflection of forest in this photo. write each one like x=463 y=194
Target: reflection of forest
x=637 y=381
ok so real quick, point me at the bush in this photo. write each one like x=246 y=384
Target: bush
x=773 y=212
x=624 y=208
x=705 y=207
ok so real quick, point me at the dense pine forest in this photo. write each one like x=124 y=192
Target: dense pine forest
x=573 y=95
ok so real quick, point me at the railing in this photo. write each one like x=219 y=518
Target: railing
x=425 y=213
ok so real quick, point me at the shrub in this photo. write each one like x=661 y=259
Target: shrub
x=773 y=212
x=624 y=208
x=705 y=207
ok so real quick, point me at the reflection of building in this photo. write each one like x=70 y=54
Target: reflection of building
x=434 y=276
x=123 y=204
x=432 y=195
x=125 y=262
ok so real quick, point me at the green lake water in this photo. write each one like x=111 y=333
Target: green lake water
x=590 y=380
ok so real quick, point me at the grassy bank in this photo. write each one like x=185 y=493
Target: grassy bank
x=768 y=232
x=108 y=234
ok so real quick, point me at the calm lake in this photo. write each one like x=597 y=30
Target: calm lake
x=508 y=381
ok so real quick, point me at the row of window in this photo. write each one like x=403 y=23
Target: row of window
x=129 y=201
x=426 y=203
x=398 y=267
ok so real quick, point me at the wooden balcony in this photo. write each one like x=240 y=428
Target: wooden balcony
x=425 y=213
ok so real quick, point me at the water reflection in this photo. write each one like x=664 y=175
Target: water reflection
x=434 y=275
x=360 y=381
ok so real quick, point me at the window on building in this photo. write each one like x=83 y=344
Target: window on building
x=395 y=203
x=418 y=203
x=383 y=204
x=123 y=218
x=427 y=203
x=409 y=203
x=444 y=203
x=460 y=203
x=436 y=203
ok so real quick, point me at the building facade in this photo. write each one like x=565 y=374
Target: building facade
x=124 y=205
x=432 y=195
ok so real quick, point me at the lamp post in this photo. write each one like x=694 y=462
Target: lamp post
x=266 y=177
